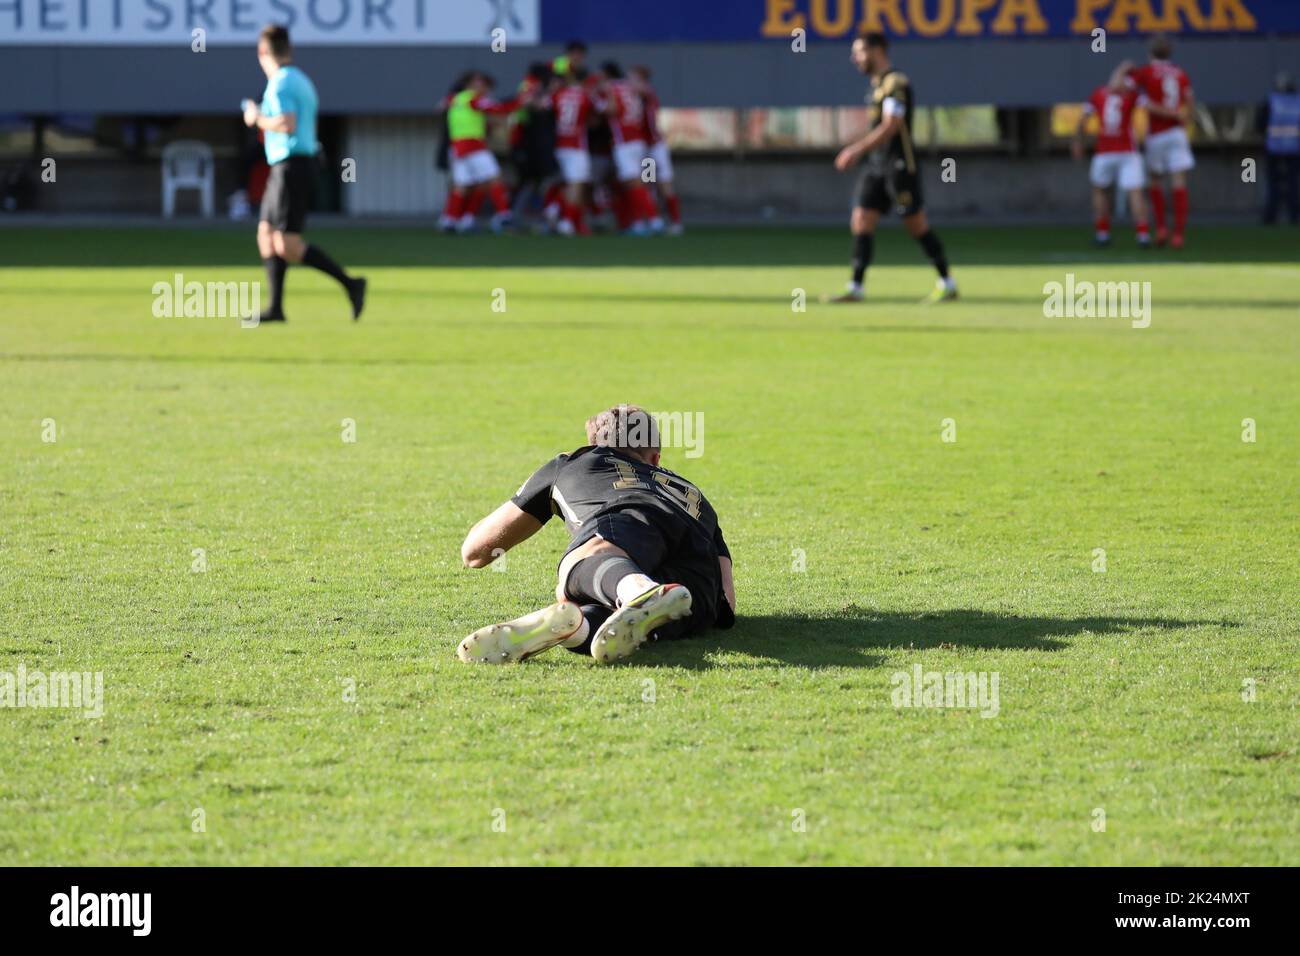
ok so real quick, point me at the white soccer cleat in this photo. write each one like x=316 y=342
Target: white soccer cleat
x=629 y=627
x=522 y=638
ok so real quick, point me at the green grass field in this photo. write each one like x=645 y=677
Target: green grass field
x=333 y=565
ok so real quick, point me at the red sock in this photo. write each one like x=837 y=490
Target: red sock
x=455 y=205
x=1158 y=206
x=674 y=208
x=475 y=201
x=643 y=206
x=554 y=196
x=1180 y=209
x=500 y=200
x=1102 y=224
x=622 y=206
x=575 y=214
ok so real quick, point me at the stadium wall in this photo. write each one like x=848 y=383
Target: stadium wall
x=399 y=180
x=411 y=79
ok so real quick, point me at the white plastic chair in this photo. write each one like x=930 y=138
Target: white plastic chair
x=187 y=164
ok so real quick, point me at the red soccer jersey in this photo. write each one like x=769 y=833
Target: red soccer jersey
x=1114 y=109
x=572 y=107
x=650 y=104
x=628 y=117
x=1165 y=85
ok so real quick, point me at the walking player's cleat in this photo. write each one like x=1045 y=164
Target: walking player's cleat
x=943 y=292
x=628 y=628
x=853 y=293
x=523 y=637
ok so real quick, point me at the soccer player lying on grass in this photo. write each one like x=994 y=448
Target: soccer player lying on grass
x=646 y=558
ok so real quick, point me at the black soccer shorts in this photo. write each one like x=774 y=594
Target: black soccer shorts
x=288 y=194
x=889 y=190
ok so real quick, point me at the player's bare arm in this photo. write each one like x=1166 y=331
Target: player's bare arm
x=879 y=136
x=728 y=582
x=496 y=534
x=1080 y=130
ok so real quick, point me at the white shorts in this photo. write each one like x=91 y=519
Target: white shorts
x=1126 y=167
x=627 y=159
x=1169 y=152
x=575 y=165
x=478 y=167
x=663 y=162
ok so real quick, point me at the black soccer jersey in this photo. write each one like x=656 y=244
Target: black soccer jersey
x=899 y=154
x=592 y=481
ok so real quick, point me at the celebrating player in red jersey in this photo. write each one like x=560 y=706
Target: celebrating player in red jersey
x=657 y=149
x=627 y=122
x=1114 y=157
x=573 y=107
x=1169 y=104
x=473 y=167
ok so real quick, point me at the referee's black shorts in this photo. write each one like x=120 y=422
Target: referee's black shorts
x=288 y=194
x=891 y=190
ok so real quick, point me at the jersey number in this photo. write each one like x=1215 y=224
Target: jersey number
x=677 y=490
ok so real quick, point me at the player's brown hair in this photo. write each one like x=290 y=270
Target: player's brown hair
x=1160 y=46
x=628 y=427
x=277 y=39
x=874 y=39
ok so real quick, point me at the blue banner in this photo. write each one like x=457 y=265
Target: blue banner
x=630 y=21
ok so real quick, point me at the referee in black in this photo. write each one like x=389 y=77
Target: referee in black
x=287 y=117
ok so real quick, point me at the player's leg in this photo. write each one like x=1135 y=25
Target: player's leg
x=276 y=267
x=1132 y=179
x=292 y=247
x=667 y=192
x=524 y=637
x=640 y=207
x=1101 y=173
x=1179 y=192
x=453 y=210
x=872 y=201
x=918 y=227
x=609 y=570
x=1157 y=196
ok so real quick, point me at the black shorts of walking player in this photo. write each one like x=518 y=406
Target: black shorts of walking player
x=890 y=190
x=288 y=194
x=667 y=551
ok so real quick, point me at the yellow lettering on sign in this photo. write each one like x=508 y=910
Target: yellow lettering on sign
x=1231 y=15
x=782 y=17
x=1084 y=20
x=1026 y=11
x=1178 y=11
x=968 y=24
x=874 y=10
x=1124 y=12
x=927 y=27
x=824 y=25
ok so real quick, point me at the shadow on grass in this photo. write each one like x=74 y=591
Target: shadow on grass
x=851 y=638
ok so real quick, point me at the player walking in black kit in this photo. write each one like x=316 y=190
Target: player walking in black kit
x=646 y=557
x=892 y=177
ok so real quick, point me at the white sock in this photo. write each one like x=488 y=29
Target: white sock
x=633 y=586
x=579 y=635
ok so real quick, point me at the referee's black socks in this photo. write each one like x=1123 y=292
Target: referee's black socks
x=863 y=245
x=317 y=258
x=275 y=270
x=934 y=249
